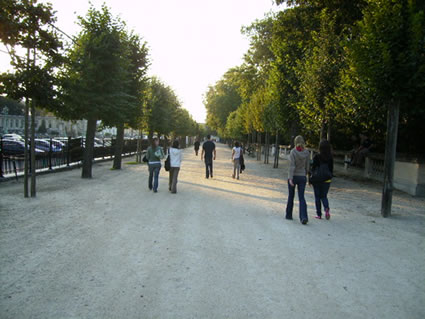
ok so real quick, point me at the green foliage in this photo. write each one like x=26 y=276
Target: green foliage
x=387 y=66
x=163 y=114
x=14 y=107
x=222 y=99
x=96 y=75
x=29 y=25
x=319 y=75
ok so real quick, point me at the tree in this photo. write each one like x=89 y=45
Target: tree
x=159 y=108
x=42 y=129
x=222 y=99
x=135 y=62
x=14 y=107
x=95 y=76
x=389 y=57
x=319 y=73
x=29 y=25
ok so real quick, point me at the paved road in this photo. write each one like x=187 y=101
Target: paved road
x=109 y=248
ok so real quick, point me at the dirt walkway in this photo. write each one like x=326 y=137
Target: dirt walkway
x=109 y=248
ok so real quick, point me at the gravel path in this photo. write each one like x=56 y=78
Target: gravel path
x=109 y=248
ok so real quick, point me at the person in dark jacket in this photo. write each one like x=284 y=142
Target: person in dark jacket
x=197 y=144
x=321 y=188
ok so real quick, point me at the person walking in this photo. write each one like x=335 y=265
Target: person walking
x=175 y=162
x=236 y=156
x=297 y=177
x=209 y=153
x=154 y=155
x=197 y=144
x=322 y=171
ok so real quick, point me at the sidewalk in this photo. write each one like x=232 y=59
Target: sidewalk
x=109 y=248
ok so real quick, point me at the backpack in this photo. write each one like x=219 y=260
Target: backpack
x=321 y=174
x=167 y=164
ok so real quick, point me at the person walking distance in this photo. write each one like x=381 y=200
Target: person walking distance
x=154 y=155
x=197 y=144
x=322 y=171
x=209 y=153
x=297 y=177
x=236 y=156
x=175 y=162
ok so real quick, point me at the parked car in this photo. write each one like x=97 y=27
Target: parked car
x=59 y=144
x=44 y=145
x=14 y=137
x=13 y=147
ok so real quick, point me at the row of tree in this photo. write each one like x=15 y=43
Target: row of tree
x=100 y=75
x=330 y=69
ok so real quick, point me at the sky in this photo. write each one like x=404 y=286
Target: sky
x=192 y=43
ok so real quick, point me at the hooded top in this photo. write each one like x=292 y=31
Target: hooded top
x=175 y=157
x=298 y=163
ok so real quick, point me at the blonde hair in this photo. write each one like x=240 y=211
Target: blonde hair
x=299 y=141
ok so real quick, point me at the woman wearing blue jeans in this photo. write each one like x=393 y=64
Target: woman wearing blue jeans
x=154 y=155
x=299 y=160
x=321 y=188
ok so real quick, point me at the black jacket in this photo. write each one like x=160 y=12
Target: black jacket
x=317 y=161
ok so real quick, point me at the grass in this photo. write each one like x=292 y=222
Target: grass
x=133 y=163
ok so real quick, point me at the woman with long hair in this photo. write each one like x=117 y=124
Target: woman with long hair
x=323 y=164
x=175 y=162
x=297 y=177
x=154 y=155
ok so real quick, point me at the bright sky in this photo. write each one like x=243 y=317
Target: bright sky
x=192 y=42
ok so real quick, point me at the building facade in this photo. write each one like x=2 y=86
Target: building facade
x=45 y=125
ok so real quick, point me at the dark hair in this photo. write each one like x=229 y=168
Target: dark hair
x=153 y=142
x=208 y=137
x=176 y=144
x=237 y=144
x=325 y=150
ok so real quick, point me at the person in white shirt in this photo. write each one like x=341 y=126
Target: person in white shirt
x=175 y=162
x=236 y=154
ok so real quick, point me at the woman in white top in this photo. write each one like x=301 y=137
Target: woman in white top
x=236 y=154
x=175 y=162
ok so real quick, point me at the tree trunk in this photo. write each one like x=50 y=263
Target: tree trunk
x=26 y=157
x=139 y=148
x=89 y=148
x=323 y=130
x=32 y=156
x=266 y=148
x=329 y=130
x=119 y=146
x=276 y=151
x=390 y=155
x=258 y=146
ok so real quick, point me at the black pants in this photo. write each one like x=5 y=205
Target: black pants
x=209 y=167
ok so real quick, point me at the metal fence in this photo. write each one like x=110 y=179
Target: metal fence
x=70 y=154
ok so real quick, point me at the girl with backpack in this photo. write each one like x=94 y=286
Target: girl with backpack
x=175 y=155
x=236 y=157
x=154 y=155
x=321 y=178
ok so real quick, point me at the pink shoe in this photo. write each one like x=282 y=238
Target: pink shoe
x=318 y=217
x=327 y=214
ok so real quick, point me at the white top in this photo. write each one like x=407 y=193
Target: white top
x=175 y=157
x=237 y=153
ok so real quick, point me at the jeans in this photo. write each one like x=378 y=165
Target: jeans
x=154 y=176
x=209 y=167
x=300 y=182
x=321 y=196
x=236 y=167
x=174 y=173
